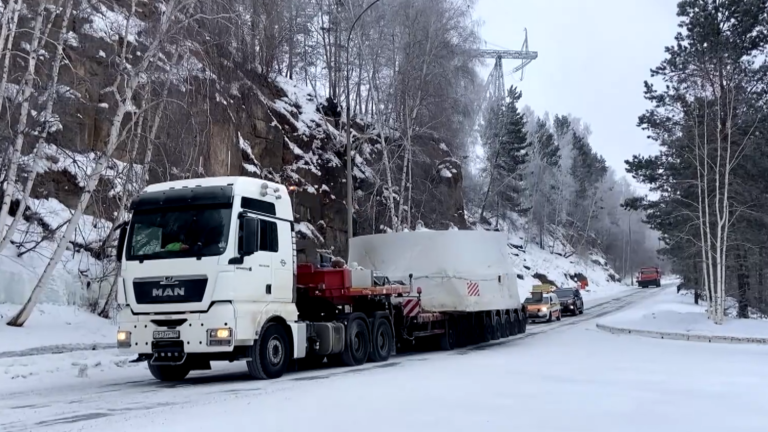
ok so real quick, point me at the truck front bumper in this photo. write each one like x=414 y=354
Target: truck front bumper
x=209 y=332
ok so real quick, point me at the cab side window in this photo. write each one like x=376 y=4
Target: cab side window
x=268 y=236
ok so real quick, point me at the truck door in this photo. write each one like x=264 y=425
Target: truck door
x=282 y=260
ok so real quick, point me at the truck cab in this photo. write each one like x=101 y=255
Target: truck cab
x=207 y=268
x=649 y=276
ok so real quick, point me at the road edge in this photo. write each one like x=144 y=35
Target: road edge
x=683 y=336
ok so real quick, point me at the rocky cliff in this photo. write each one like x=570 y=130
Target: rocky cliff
x=217 y=118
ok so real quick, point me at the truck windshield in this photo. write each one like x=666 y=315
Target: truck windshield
x=178 y=233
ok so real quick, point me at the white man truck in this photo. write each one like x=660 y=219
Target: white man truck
x=209 y=273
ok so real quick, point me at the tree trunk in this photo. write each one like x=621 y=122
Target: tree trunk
x=50 y=99
x=26 y=90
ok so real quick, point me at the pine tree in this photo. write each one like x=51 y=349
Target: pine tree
x=709 y=122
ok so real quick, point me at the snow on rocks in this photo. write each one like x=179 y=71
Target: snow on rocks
x=670 y=315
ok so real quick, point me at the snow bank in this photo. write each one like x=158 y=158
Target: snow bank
x=670 y=312
x=54 y=325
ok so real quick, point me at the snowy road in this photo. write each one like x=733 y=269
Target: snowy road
x=593 y=380
x=88 y=403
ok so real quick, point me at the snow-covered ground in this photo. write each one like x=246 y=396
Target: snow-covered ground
x=593 y=381
x=54 y=325
x=677 y=313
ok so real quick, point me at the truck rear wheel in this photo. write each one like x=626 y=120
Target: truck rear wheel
x=270 y=353
x=381 y=348
x=169 y=372
x=522 y=323
x=358 y=344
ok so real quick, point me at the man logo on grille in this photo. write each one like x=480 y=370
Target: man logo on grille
x=164 y=292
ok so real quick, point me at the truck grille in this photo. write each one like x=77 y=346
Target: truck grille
x=189 y=289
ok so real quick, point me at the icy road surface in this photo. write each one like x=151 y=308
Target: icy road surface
x=592 y=381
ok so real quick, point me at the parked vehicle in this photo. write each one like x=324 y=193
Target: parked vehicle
x=209 y=272
x=570 y=300
x=649 y=276
x=543 y=307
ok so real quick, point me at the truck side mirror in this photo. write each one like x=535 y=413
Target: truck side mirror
x=249 y=241
x=123 y=234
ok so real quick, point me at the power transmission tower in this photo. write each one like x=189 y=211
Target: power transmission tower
x=495 y=90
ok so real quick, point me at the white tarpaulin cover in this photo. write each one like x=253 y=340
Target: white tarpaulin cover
x=456 y=270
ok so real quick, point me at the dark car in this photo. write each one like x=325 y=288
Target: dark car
x=570 y=300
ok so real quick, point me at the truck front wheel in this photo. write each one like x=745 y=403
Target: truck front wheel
x=270 y=353
x=169 y=372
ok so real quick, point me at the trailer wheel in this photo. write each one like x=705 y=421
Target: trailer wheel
x=497 y=323
x=448 y=339
x=488 y=328
x=464 y=334
x=515 y=327
x=169 y=373
x=522 y=323
x=509 y=329
x=504 y=333
x=382 y=341
x=358 y=344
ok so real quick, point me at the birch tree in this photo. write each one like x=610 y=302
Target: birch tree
x=48 y=123
x=125 y=86
x=705 y=121
x=26 y=93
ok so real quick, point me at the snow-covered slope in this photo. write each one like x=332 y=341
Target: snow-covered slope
x=531 y=262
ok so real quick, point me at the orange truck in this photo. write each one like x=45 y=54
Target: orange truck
x=649 y=276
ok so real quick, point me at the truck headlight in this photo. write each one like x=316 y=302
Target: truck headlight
x=220 y=337
x=123 y=339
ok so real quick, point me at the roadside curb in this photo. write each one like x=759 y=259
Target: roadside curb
x=57 y=349
x=683 y=336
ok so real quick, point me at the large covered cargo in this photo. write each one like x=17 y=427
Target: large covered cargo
x=457 y=271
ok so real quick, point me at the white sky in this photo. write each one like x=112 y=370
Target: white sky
x=593 y=58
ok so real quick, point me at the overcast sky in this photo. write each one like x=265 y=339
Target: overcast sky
x=593 y=58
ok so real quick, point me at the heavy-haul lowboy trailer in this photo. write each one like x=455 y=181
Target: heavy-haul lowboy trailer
x=209 y=273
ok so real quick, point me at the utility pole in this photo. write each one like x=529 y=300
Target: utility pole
x=350 y=187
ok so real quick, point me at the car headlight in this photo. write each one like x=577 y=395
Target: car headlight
x=543 y=309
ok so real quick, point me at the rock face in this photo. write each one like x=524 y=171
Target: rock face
x=218 y=120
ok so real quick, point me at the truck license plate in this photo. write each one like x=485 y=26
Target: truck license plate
x=166 y=334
